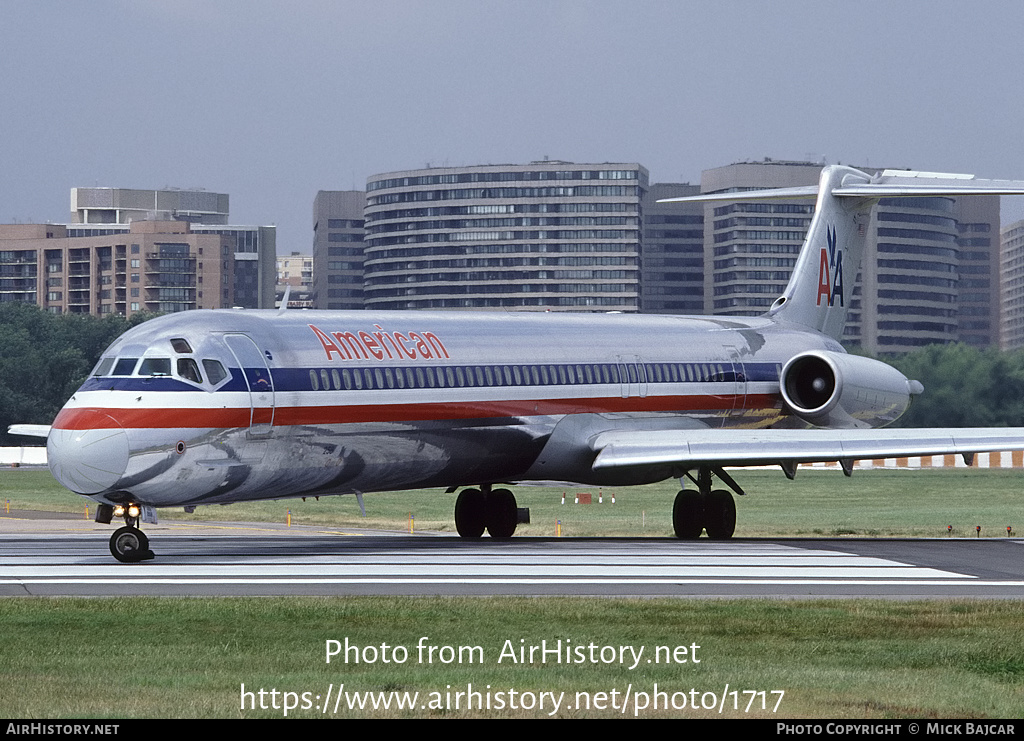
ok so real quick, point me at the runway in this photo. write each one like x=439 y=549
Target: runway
x=70 y=557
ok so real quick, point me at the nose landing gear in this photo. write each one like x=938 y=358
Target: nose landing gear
x=128 y=544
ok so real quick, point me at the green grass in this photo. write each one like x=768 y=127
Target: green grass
x=874 y=503
x=152 y=657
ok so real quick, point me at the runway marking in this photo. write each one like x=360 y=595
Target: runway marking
x=313 y=562
x=675 y=564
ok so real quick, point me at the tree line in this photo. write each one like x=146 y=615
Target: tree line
x=46 y=357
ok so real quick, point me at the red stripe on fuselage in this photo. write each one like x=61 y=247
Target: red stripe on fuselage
x=84 y=418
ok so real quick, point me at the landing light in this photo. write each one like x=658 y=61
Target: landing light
x=133 y=510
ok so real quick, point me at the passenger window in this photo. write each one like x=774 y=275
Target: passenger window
x=189 y=370
x=155 y=367
x=124 y=366
x=214 y=371
x=314 y=382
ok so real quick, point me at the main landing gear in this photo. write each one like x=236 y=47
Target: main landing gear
x=128 y=544
x=713 y=510
x=492 y=509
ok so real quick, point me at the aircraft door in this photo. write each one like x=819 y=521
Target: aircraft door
x=738 y=381
x=261 y=384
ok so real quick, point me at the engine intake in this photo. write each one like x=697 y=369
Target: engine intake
x=839 y=390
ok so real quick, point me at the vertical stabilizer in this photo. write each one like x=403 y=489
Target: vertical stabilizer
x=821 y=286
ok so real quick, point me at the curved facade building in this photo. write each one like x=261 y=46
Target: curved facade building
x=552 y=236
x=913 y=291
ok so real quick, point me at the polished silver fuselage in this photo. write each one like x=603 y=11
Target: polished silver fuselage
x=344 y=402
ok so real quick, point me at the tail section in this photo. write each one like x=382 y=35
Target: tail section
x=820 y=287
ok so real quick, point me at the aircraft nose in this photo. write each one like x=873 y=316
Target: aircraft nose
x=88 y=461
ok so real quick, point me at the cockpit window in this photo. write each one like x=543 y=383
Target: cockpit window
x=214 y=371
x=124 y=366
x=155 y=367
x=103 y=367
x=181 y=345
x=189 y=370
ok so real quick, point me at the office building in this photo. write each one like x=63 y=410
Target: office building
x=338 y=249
x=1011 y=286
x=672 y=263
x=547 y=236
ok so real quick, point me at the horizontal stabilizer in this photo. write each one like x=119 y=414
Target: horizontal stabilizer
x=888 y=184
x=766 y=447
x=29 y=430
x=804 y=191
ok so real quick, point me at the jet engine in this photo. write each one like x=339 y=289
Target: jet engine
x=838 y=390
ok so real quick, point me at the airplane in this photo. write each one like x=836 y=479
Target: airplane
x=214 y=407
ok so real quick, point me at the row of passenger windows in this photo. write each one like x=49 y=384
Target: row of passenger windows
x=186 y=369
x=519 y=375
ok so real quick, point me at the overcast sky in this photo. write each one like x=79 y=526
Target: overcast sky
x=272 y=101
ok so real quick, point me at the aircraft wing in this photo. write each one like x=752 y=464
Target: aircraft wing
x=29 y=430
x=624 y=448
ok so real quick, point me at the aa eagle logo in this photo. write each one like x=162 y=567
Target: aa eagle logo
x=830 y=271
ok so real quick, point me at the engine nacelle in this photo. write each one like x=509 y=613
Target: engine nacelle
x=838 y=390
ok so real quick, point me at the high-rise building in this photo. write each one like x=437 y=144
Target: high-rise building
x=338 y=249
x=100 y=211
x=549 y=235
x=146 y=266
x=139 y=250
x=672 y=262
x=1011 y=287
